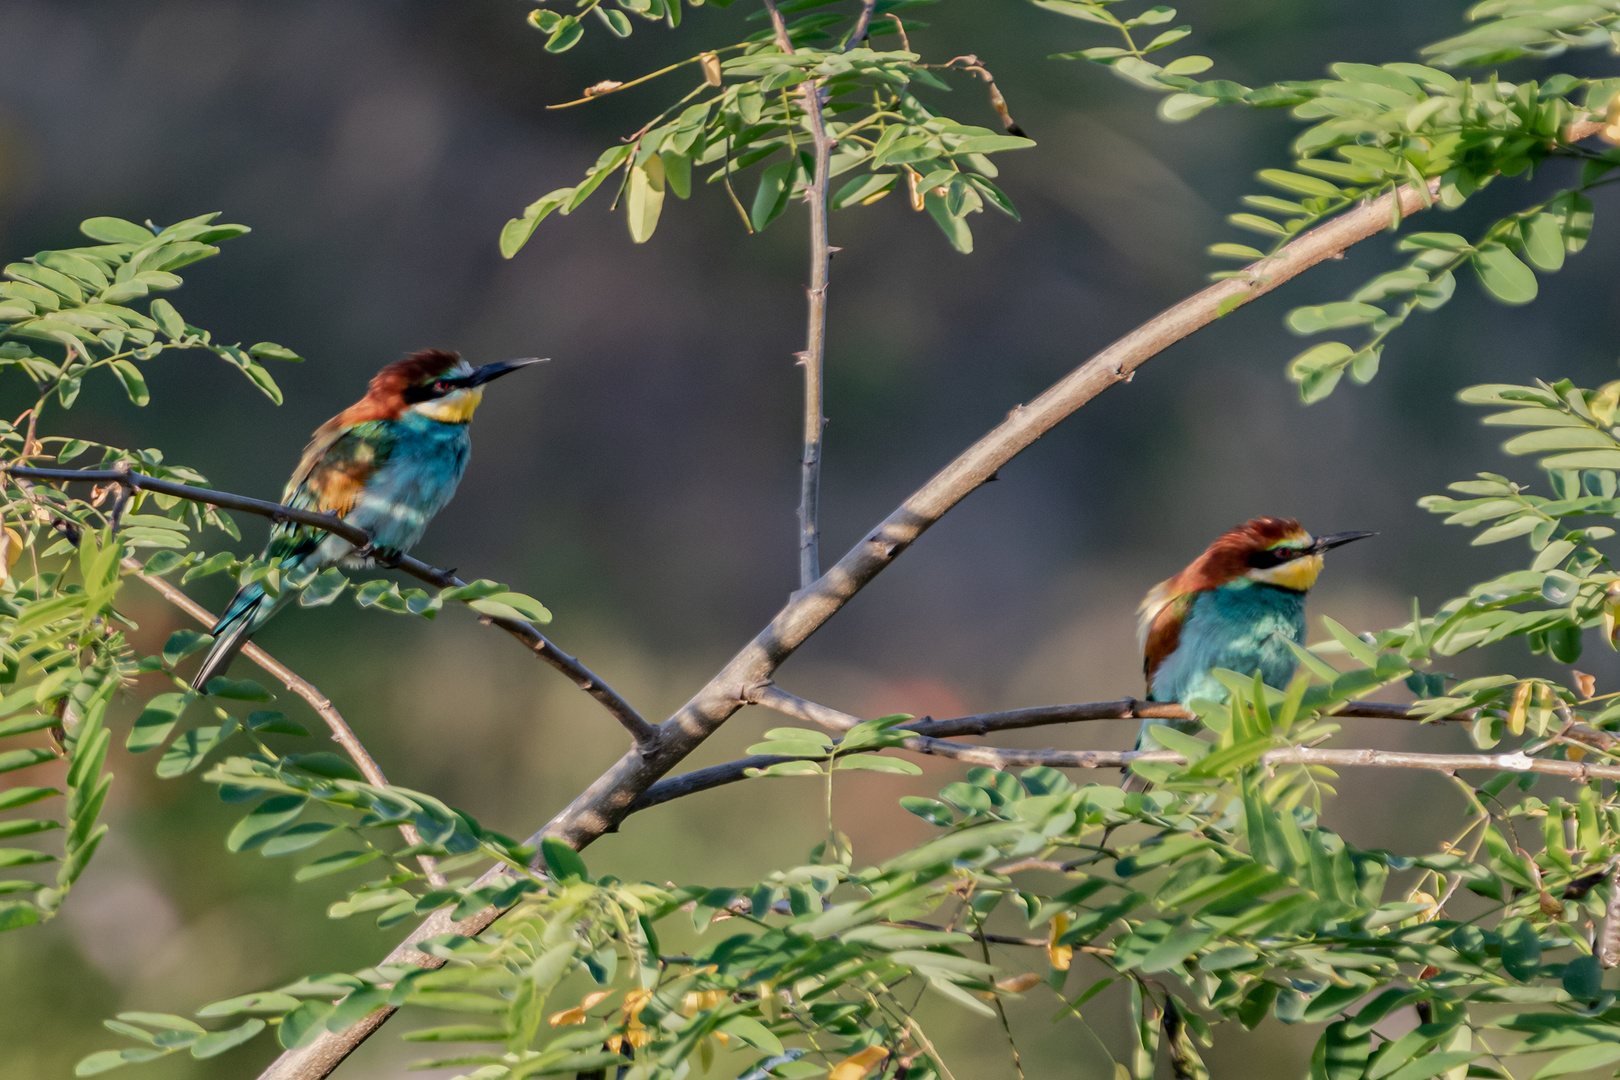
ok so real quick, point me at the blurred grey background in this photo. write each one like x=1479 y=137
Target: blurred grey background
x=643 y=484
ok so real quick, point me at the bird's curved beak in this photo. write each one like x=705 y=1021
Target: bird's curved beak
x=1333 y=540
x=490 y=372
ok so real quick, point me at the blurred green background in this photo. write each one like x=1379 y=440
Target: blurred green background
x=643 y=484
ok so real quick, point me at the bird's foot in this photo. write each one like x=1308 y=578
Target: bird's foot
x=378 y=555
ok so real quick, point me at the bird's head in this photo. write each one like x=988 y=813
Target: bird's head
x=1268 y=551
x=437 y=384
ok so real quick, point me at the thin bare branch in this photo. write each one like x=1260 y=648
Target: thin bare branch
x=813 y=358
x=342 y=733
x=778 y=27
x=1007 y=757
x=859 y=33
x=587 y=680
x=611 y=797
x=1123 y=709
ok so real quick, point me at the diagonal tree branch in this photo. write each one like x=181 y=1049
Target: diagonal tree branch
x=342 y=733
x=608 y=799
x=587 y=680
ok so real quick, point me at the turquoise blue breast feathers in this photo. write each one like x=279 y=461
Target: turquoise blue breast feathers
x=387 y=464
x=1237 y=606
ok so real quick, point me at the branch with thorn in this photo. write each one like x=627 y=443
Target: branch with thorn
x=626 y=785
x=641 y=731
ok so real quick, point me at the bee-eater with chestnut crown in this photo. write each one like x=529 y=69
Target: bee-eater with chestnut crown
x=1237 y=607
x=386 y=464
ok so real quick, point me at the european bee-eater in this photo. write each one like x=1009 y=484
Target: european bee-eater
x=386 y=464
x=1237 y=607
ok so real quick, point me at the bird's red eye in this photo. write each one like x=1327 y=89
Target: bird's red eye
x=442 y=387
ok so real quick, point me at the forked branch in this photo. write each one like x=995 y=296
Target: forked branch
x=342 y=733
x=587 y=680
x=614 y=794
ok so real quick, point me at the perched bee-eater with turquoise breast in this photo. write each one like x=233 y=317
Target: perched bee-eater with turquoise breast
x=386 y=464
x=1238 y=606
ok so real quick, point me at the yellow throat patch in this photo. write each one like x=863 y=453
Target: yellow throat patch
x=1297 y=574
x=456 y=408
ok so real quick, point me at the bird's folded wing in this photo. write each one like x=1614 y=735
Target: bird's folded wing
x=1159 y=626
x=338 y=464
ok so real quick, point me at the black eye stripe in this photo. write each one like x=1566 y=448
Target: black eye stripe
x=435 y=389
x=1265 y=560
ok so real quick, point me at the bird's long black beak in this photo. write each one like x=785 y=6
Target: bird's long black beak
x=1333 y=540
x=490 y=372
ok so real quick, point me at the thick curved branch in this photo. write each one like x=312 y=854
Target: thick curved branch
x=525 y=632
x=602 y=805
x=342 y=733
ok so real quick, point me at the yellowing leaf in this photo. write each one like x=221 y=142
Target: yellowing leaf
x=1061 y=956
x=10 y=551
x=576 y=1015
x=711 y=68
x=698 y=1000
x=857 y=1065
x=1017 y=984
x=1521 y=702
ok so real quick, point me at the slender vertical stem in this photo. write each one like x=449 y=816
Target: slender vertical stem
x=862 y=24
x=815 y=350
x=815 y=346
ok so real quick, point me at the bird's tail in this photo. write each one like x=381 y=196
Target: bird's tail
x=250 y=609
x=1144 y=741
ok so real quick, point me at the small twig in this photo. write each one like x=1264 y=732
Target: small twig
x=997 y=102
x=342 y=733
x=642 y=732
x=593 y=94
x=731 y=191
x=861 y=24
x=900 y=28
x=1001 y=1007
x=778 y=27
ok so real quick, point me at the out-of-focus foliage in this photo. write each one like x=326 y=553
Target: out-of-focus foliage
x=1375 y=128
